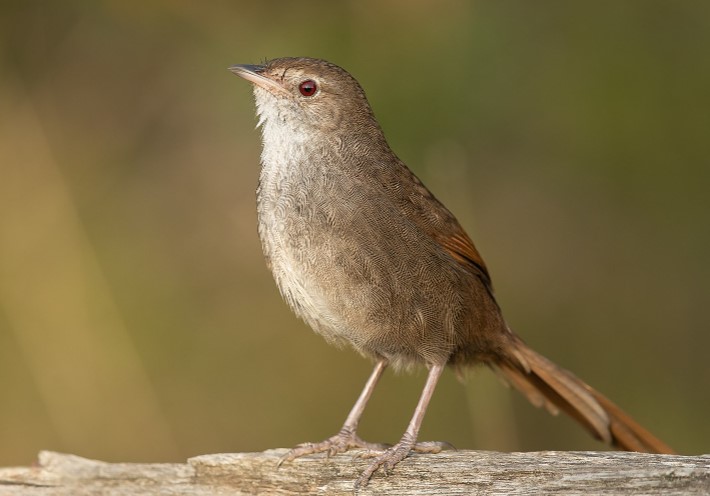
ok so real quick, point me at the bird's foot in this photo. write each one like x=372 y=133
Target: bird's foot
x=426 y=447
x=343 y=441
x=392 y=456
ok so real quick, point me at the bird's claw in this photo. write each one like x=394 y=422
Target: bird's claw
x=386 y=460
x=343 y=441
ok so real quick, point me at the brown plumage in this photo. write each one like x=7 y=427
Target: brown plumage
x=368 y=257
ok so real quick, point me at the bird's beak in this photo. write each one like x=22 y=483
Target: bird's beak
x=254 y=74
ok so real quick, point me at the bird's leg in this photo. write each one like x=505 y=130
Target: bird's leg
x=399 y=451
x=346 y=438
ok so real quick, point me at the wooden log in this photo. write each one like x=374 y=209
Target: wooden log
x=449 y=472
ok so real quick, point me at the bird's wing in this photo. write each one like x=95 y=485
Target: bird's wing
x=462 y=249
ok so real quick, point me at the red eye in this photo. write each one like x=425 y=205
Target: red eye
x=308 y=87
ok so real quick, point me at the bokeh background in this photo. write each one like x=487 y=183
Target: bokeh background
x=138 y=321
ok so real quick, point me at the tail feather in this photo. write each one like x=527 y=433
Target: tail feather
x=547 y=385
x=627 y=433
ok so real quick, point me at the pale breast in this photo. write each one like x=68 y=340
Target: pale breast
x=293 y=242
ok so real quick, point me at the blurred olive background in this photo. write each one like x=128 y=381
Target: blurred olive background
x=138 y=321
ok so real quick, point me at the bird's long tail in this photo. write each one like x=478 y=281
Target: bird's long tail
x=547 y=385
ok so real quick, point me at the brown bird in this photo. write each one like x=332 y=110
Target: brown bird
x=368 y=257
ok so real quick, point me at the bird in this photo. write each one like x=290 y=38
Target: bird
x=369 y=258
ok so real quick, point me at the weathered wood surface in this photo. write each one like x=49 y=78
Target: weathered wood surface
x=450 y=472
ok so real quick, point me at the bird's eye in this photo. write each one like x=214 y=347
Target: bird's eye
x=308 y=87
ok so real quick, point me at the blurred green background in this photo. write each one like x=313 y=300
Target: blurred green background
x=138 y=321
